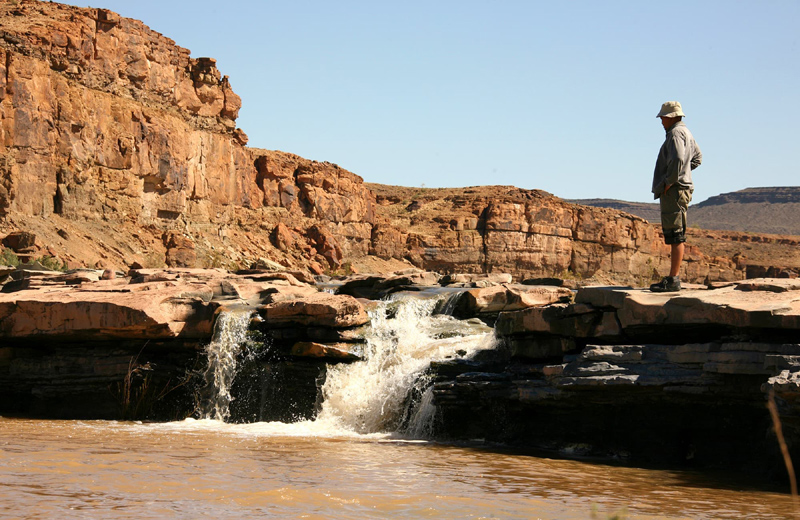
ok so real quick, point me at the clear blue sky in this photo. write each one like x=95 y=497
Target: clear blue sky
x=559 y=96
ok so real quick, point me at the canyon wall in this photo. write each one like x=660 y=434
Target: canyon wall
x=107 y=122
x=530 y=234
x=118 y=149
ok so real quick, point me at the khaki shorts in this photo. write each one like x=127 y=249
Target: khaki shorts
x=674 y=205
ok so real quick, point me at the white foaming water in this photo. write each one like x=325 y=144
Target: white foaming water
x=404 y=338
x=374 y=398
x=230 y=332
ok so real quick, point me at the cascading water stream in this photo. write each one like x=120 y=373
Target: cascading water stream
x=403 y=339
x=388 y=392
x=230 y=331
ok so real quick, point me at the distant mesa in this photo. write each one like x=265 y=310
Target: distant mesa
x=774 y=210
x=773 y=195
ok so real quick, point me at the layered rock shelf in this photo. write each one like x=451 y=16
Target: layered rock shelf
x=78 y=346
x=681 y=378
x=625 y=373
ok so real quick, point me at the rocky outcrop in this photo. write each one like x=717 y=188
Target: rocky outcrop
x=76 y=345
x=112 y=131
x=650 y=211
x=621 y=372
x=771 y=195
x=531 y=234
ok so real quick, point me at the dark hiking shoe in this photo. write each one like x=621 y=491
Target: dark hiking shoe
x=667 y=284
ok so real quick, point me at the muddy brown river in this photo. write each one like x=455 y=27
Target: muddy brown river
x=210 y=469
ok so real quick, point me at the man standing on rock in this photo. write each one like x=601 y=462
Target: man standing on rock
x=672 y=183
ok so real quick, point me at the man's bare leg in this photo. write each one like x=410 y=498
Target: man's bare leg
x=676 y=257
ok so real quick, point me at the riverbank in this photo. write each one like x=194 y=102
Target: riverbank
x=613 y=372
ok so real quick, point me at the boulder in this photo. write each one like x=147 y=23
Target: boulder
x=377 y=287
x=149 y=311
x=180 y=250
x=20 y=241
x=320 y=309
x=508 y=297
x=282 y=237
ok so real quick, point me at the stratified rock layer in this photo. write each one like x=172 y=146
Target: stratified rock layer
x=679 y=377
x=112 y=133
x=529 y=233
x=133 y=347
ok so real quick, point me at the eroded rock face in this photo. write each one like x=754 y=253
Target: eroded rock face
x=530 y=234
x=620 y=371
x=107 y=121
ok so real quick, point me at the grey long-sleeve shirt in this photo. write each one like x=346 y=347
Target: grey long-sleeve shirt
x=678 y=156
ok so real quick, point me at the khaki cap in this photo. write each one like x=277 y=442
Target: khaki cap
x=671 y=109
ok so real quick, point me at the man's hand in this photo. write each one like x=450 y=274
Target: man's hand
x=666 y=188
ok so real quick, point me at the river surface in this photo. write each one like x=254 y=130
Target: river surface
x=367 y=454
x=210 y=469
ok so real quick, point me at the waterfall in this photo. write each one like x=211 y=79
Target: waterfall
x=230 y=332
x=448 y=304
x=404 y=338
x=390 y=391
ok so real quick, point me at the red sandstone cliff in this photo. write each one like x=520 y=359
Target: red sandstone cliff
x=114 y=138
x=528 y=233
x=117 y=147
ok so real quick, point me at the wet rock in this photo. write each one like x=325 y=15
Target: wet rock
x=335 y=352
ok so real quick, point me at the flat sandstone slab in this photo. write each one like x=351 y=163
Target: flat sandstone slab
x=761 y=303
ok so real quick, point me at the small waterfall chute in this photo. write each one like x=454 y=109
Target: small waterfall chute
x=389 y=392
x=447 y=305
x=230 y=334
x=404 y=337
